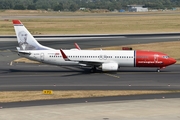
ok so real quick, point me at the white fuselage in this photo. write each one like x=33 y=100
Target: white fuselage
x=54 y=57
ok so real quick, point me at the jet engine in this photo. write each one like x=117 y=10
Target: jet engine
x=109 y=67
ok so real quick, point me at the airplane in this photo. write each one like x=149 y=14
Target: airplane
x=106 y=60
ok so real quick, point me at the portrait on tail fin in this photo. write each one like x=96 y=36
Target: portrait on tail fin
x=23 y=43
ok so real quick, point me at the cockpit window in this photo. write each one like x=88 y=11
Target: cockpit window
x=166 y=57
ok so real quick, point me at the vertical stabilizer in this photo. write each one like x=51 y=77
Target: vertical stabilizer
x=25 y=40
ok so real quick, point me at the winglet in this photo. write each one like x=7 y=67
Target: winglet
x=64 y=55
x=77 y=46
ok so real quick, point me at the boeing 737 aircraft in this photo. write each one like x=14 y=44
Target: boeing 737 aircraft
x=106 y=60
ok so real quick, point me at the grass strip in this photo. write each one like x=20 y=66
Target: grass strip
x=81 y=23
x=24 y=60
x=17 y=96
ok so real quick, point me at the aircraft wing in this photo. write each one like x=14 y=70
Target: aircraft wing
x=22 y=52
x=83 y=63
x=91 y=63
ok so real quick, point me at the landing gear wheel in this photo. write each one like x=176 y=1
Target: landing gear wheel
x=158 y=70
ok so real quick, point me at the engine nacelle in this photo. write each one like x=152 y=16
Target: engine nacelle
x=109 y=67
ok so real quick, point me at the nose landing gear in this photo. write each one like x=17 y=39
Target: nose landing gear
x=159 y=69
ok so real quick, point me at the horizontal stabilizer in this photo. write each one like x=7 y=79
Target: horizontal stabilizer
x=24 y=53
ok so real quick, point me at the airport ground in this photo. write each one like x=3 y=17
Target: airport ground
x=25 y=77
x=30 y=77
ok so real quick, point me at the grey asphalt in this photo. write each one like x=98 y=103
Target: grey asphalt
x=38 y=77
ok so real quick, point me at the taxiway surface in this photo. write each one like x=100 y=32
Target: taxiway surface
x=90 y=41
x=39 y=77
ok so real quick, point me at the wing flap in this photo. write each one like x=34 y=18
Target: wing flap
x=91 y=63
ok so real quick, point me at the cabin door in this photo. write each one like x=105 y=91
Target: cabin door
x=42 y=56
x=156 y=58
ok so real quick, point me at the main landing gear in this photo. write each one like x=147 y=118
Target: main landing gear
x=93 y=69
x=158 y=70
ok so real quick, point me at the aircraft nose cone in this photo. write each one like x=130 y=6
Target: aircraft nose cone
x=169 y=61
x=173 y=61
